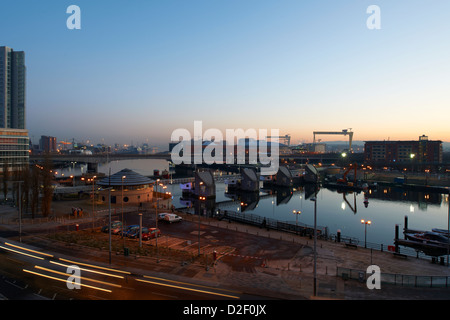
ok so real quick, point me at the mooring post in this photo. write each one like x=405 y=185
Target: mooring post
x=396 y=238
x=406 y=226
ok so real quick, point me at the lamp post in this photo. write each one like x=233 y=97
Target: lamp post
x=448 y=229
x=93 y=199
x=109 y=209
x=296 y=212
x=365 y=223
x=123 y=177
x=315 y=242
x=202 y=199
x=156 y=223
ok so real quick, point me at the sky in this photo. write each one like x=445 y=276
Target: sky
x=137 y=70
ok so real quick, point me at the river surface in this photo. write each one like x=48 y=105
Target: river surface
x=387 y=206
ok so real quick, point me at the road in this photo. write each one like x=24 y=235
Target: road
x=40 y=273
x=28 y=271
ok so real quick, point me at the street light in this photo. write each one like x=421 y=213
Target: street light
x=296 y=212
x=93 y=200
x=315 y=242
x=365 y=223
x=202 y=199
x=123 y=177
x=156 y=221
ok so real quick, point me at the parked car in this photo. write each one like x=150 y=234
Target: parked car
x=152 y=233
x=117 y=229
x=162 y=215
x=171 y=217
x=114 y=226
x=134 y=233
x=128 y=229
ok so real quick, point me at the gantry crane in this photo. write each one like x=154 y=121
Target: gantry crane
x=343 y=132
x=285 y=138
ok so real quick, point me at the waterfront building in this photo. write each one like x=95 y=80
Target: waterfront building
x=127 y=187
x=419 y=154
x=47 y=144
x=14 y=149
x=12 y=88
x=14 y=140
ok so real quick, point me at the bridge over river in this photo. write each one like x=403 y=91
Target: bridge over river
x=326 y=158
x=98 y=158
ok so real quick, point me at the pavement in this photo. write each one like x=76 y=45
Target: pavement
x=287 y=270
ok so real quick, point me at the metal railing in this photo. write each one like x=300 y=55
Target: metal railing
x=263 y=222
x=397 y=279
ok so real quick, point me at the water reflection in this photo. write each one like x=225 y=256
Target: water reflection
x=385 y=207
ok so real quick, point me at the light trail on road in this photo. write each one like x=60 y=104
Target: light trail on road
x=89 y=270
x=188 y=289
x=22 y=253
x=30 y=250
x=64 y=280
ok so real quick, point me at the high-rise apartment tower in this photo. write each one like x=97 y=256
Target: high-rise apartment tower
x=12 y=88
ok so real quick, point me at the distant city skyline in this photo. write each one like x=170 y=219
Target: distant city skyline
x=138 y=71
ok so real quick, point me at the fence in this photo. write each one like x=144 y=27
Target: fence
x=397 y=279
x=256 y=220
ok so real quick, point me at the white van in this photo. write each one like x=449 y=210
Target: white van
x=171 y=217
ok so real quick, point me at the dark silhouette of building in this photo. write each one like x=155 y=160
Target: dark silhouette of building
x=417 y=155
x=47 y=144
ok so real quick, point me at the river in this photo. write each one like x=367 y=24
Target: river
x=387 y=206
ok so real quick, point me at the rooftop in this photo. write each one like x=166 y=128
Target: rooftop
x=125 y=177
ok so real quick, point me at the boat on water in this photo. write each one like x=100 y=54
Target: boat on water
x=427 y=237
x=441 y=231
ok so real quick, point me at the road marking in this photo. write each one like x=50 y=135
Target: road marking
x=239 y=255
x=13 y=284
x=164 y=295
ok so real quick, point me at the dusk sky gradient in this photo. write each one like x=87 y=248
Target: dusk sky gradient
x=137 y=70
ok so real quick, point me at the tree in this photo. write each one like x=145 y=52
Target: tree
x=47 y=189
x=5 y=179
x=34 y=185
x=26 y=178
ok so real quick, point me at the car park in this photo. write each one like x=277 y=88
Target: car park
x=151 y=234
